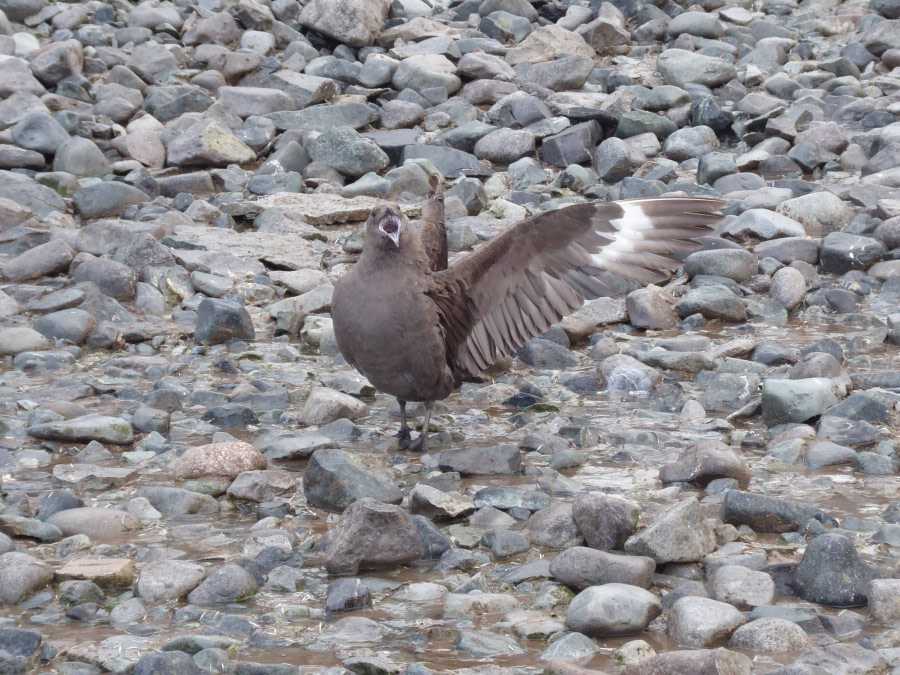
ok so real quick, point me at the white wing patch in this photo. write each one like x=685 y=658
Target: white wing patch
x=629 y=253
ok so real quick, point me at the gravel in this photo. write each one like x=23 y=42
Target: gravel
x=193 y=477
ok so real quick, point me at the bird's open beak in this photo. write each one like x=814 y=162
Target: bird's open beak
x=390 y=225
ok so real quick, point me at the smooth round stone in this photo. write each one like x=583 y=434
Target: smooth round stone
x=612 y=609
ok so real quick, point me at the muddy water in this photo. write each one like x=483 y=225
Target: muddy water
x=417 y=633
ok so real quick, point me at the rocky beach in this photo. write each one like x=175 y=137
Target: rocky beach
x=697 y=477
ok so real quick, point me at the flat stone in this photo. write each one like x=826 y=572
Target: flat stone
x=107 y=573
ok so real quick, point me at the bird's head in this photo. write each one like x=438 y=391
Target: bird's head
x=385 y=223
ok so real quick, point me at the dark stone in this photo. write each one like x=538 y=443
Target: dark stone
x=574 y=145
x=831 y=573
x=20 y=642
x=334 y=479
x=230 y=415
x=769 y=514
x=605 y=521
x=347 y=595
x=220 y=321
x=541 y=353
x=861 y=406
x=434 y=542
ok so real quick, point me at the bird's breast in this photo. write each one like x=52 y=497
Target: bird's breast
x=392 y=337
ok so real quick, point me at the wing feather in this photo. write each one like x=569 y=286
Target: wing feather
x=515 y=286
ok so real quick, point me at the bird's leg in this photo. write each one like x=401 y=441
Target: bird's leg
x=403 y=434
x=421 y=443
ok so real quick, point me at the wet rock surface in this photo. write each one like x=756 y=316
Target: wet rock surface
x=695 y=477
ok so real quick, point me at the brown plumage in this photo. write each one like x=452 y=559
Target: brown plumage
x=415 y=329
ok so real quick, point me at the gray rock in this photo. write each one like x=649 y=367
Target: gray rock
x=40 y=132
x=372 y=535
x=769 y=514
x=225 y=584
x=85 y=429
x=220 y=321
x=98 y=523
x=541 y=353
x=706 y=461
x=678 y=534
x=112 y=278
x=728 y=392
x=605 y=521
x=163 y=580
x=826 y=453
x=21 y=339
x=347 y=595
x=347 y=151
x=713 y=301
x=702 y=622
x=690 y=142
x=820 y=213
x=881 y=36
x=638 y=122
x=486 y=644
x=326 y=405
x=73 y=325
x=334 y=479
x=680 y=67
x=713 y=166
x=353 y=22
x=81 y=157
x=166 y=663
x=744 y=588
x=571 y=146
x=831 y=573
x=574 y=647
x=732 y=263
x=788 y=287
x=650 y=309
x=19 y=10
x=625 y=373
x=505 y=146
x=884 y=600
x=580 y=567
x=841 y=658
x=208 y=143
x=796 y=400
x=562 y=74
x=611 y=610
x=700 y=24
x=770 y=636
x=21 y=575
x=764 y=224
x=57 y=60
x=46 y=259
x=177 y=501
x=437 y=505
x=842 y=251
x=426 y=71
x=554 y=527
x=107 y=199
x=719 y=661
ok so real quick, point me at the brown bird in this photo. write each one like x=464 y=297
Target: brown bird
x=416 y=328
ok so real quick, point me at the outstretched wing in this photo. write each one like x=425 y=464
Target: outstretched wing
x=523 y=281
